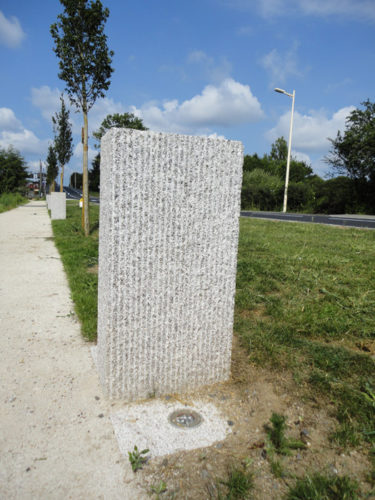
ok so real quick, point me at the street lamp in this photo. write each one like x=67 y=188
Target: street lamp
x=281 y=91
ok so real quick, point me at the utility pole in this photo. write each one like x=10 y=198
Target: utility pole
x=40 y=178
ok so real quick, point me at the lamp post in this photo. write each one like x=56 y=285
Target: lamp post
x=281 y=91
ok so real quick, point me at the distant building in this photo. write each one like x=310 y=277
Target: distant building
x=33 y=184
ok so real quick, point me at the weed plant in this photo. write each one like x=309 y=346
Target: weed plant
x=276 y=434
x=238 y=485
x=137 y=458
x=320 y=487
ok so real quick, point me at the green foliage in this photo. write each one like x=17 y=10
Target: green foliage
x=277 y=468
x=353 y=152
x=125 y=120
x=137 y=458
x=52 y=168
x=94 y=174
x=279 y=150
x=320 y=487
x=276 y=435
x=264 y=179
x=76 y=180
x=13 y=172
x=251 y=162
x=159 y=489
x=63 y=134
x=11 y=200
x=261 y=190
x=238 y=485
x=81 y=46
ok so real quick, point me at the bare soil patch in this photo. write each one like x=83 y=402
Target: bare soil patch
x=247 y=402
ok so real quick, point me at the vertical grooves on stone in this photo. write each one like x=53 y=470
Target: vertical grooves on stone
x=168 y=244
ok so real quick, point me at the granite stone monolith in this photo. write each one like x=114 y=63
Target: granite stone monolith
x=58 y=205
x=169 y=223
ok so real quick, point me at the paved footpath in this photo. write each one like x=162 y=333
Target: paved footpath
x=56 y=438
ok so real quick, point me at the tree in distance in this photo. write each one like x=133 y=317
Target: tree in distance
x=125 y=120
x=85 y=65
x=52 y=168
x=353 y=155
x=63 y=138
x=13 y=172
x=353 y=152
x=76 y=180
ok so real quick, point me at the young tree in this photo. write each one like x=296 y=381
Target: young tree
x=52 y=168
x=13 y=172
x=125 y=120
x=85 y=64
x=63 y=138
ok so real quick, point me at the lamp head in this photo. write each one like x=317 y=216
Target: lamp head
x=280 y=91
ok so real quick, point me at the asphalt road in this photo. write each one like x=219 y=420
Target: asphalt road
x=359 y=221
x=76 y=194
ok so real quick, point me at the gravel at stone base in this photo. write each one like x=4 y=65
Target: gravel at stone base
x=56 y=437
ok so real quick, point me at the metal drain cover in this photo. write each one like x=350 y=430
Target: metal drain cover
x=185 y=419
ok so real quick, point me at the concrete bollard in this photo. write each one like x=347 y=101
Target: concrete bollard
x=58 y=205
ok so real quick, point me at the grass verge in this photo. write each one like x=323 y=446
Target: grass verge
x=11 y=200
x=80 y=258
x=305 y=303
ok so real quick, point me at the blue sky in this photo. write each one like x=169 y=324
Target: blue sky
x=199 y=67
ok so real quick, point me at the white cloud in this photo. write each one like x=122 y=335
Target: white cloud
x=301 y=156
x=11 y=32
x=25 y=141
x=13 y=133
x=281 y=66
x=8 y=120
x=356 y=9
x=228 y=104
x=311 y=132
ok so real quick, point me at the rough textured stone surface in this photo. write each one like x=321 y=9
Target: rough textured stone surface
x=169 y=210
x=58 y=205
x=48 y=199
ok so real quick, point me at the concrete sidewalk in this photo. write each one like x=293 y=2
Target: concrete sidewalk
x=56 y=437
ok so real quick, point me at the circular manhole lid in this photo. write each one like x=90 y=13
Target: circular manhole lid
x=185 y=419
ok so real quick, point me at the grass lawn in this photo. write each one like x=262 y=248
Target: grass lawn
x=305 y=305
x=11 y=200
x=80 y=258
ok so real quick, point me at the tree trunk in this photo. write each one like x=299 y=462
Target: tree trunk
x=85 y=177
x=62 y=179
